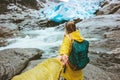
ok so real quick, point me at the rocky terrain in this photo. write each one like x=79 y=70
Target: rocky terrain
x=102 y=31
x=104 y=49
x=17 y=15
x=13 y=61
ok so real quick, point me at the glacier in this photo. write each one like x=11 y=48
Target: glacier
x=66 y=10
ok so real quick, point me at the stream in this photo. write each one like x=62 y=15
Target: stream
x=47 y=40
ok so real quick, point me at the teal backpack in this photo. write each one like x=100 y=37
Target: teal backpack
x=78 y=57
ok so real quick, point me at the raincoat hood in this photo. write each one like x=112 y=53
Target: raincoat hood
x=76 y=36
x=66 y=43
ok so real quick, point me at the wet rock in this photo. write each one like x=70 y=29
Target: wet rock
x=13 y=61
x=23 y=17
x=7 y=30
x=33 y=24
x=52 y=23
x=3 y=42
x=28 y=3
x=110 y=7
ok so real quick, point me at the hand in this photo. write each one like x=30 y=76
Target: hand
x=64 y=59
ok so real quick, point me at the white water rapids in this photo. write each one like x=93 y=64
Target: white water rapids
x=46 y=40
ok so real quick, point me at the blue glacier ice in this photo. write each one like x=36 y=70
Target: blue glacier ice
x=69 y=10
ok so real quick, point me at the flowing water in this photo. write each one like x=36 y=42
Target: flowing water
x=47 y=40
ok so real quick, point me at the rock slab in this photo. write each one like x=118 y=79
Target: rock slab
x=13 y=61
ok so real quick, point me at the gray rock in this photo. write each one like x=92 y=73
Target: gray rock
x=102 y=32
x=13 y=61
x=3 y=42
x=112 y=7
x=92 y=72
x=8 y=30
x=28 y=3
x=109 y=62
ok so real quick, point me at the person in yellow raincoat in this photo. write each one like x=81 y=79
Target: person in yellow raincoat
x=70 y=34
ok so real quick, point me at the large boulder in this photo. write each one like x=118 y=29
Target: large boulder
x=13 y=61
x=99 y=25
x=102 y=31
x=92 y=72
x=103 y=35
x=109 y=62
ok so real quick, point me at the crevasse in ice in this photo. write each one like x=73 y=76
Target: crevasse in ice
x=70 y=9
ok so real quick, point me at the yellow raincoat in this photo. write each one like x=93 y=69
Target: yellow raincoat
x=65 y=49
x=47 y=70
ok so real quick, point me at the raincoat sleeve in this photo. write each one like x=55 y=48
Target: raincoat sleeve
x=65 y=46
x=47 y=70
